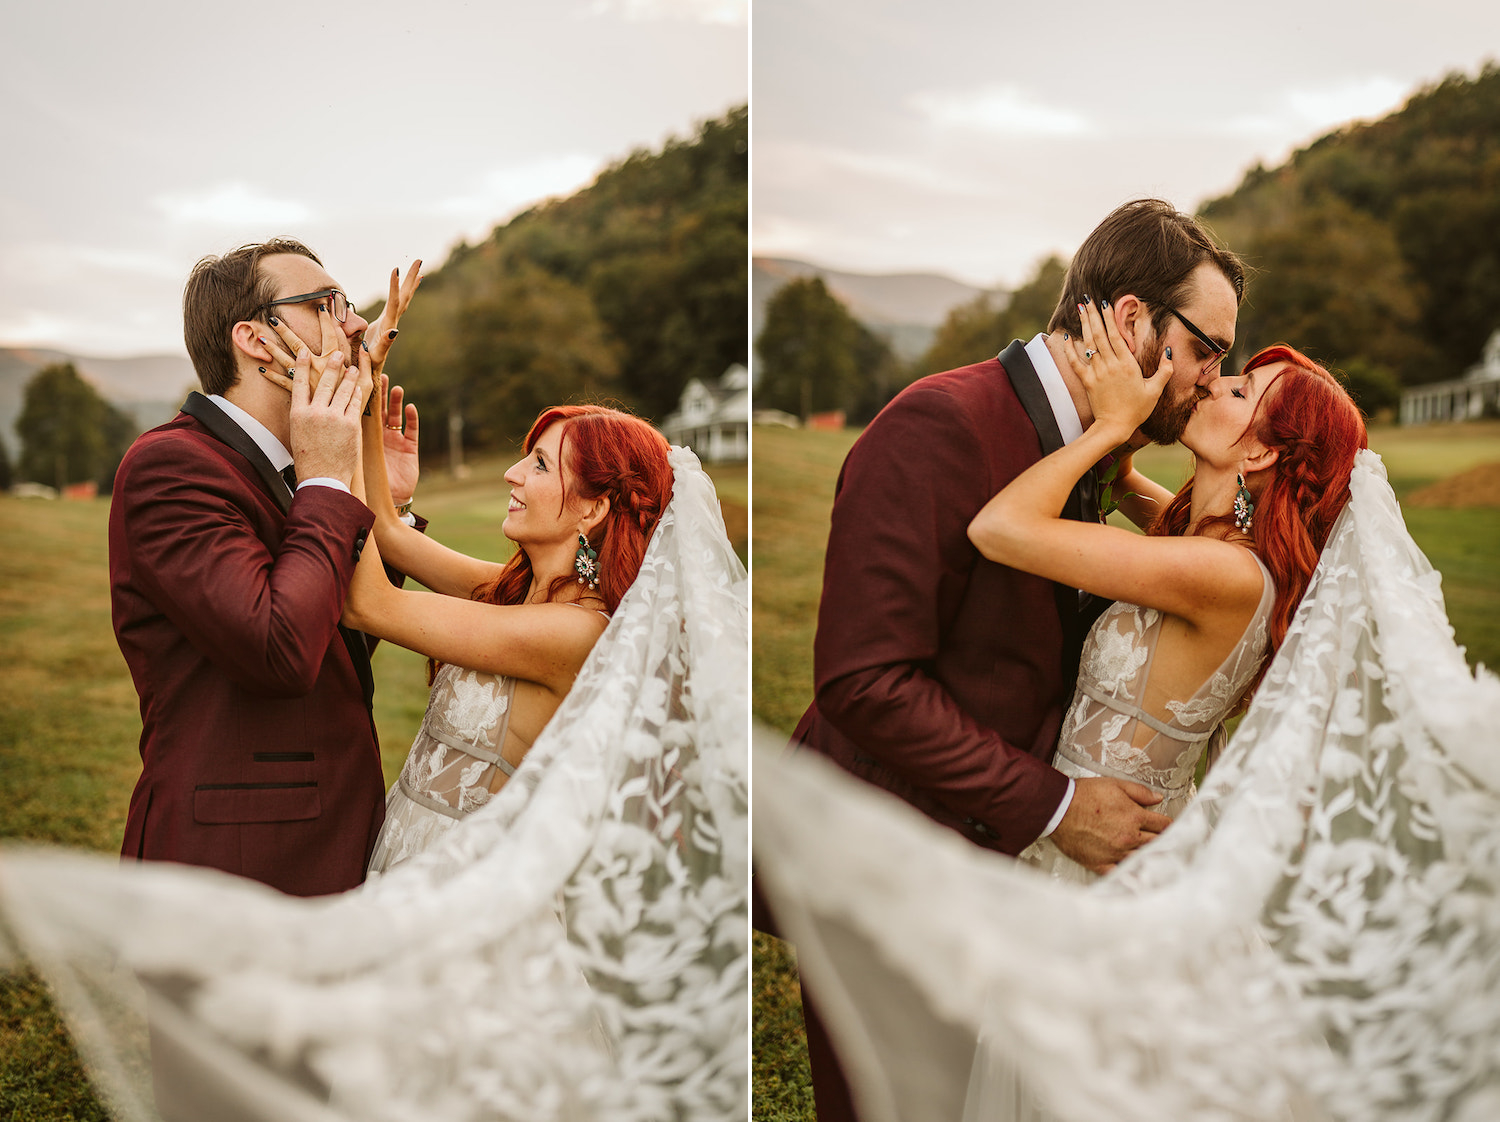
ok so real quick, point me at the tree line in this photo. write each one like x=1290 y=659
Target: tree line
x=622 y=292
x=1375 y=250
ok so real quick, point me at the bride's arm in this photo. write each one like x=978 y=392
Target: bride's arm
x=1190 y=577
x=542 y=643
x=404 y=547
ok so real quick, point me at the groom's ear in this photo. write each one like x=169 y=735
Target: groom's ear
x=246 y=339
x=1131 y=321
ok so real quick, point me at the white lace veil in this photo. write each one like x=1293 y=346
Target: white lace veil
x=576 y=949
x=1318 y=936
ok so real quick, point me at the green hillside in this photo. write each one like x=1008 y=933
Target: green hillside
x=624 y=292
x=1377 y=247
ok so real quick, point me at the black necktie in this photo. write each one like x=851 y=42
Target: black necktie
x=289 y=473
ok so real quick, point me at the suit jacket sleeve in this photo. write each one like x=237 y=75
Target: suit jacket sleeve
x=897 y=564
x=204 y=548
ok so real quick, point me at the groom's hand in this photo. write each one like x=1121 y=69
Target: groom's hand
x=325 y=420
x=1106 y=820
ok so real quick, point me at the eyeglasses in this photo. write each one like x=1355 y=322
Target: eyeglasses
x=340 y=305
x=1219 y=352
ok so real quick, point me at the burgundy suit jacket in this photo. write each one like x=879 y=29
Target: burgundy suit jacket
x=258 y=750
x=941 y=676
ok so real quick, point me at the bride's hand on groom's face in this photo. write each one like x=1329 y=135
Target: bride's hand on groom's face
x=332 y=340
x=1121 y=397
x=382 y=333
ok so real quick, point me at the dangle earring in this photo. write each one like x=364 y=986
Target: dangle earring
x=586 y=563
x=1244 y=505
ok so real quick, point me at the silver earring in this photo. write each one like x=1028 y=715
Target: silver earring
x=586 y=563
x=1244 y=505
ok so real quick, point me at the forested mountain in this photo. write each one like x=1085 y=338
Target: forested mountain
x=624 y=291
x=1377 y=247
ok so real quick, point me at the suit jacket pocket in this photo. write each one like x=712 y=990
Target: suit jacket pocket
x=235 y=803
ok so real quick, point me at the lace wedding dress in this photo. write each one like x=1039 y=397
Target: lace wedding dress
x=1317 y=936
x=447 y=989
x=1108 y=731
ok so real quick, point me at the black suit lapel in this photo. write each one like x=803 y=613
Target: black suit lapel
x=211 y=417
x=1082 y=504
x=1028 y=387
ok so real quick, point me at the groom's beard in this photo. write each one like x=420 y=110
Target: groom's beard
x=1170 y=417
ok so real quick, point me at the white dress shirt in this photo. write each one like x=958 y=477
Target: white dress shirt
x=275 y=451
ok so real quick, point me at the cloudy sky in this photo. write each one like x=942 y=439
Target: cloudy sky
x=138 y=137
x=974 y=138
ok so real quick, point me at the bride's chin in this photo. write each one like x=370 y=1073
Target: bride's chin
x=1186 y=439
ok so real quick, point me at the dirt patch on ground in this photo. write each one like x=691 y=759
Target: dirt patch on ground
x=1478 y=486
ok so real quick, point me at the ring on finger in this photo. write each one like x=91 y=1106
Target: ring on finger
x=1088 y=356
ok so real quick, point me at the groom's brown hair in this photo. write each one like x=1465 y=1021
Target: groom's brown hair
x=1146 y=248
x=221 y=291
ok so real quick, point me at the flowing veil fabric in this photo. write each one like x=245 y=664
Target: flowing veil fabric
x=1318 y=936
x=577 y=949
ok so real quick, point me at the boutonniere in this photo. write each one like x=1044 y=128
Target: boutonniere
x=1109 y=498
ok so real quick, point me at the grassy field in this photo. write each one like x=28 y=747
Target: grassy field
x=794 y=475
x=69 y=720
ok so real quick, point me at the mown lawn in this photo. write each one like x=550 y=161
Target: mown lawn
x=793 y=481
x=69 y=720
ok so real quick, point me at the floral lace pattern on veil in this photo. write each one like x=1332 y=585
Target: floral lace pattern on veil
x=448 y=989
x=1316 y=937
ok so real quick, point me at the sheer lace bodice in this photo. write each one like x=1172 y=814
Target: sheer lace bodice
x=454 y=766
x=455 y=761
x=1110 y=731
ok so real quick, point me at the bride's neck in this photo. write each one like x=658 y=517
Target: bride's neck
x=546 y=574
x=1213 y=494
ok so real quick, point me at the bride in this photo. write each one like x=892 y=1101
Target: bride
x=1207 y=594
x=583 y=502
x=446 y=988
x=1316 y=936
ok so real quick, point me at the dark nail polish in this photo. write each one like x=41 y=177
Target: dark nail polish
x=1086 y=299
x=275 y=322
x=1169 y=353
x=393 y=333
x=1104 y=305
x=322 y=307
x=364 y=346
x=1066 y=335
x=262 y=369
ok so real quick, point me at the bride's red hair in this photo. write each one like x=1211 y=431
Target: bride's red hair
x=609 y=453
x=1315 y=427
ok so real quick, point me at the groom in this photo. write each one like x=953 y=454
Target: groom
x=943 y=677
x=227 y=580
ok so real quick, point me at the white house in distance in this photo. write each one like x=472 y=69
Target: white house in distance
x=1474 y=395
x=713 y=418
